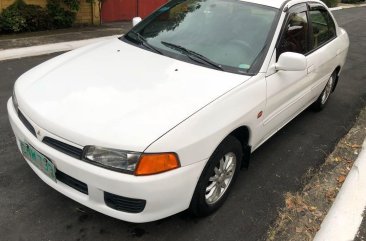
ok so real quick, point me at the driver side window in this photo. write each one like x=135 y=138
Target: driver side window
x=295 y=36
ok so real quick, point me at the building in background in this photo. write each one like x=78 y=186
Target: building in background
x=113 y=10
x=123 y=10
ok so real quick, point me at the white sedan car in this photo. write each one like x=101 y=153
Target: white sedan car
x=162 y=119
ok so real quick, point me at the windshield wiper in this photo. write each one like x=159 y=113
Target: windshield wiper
x=191 y=53
x=142 y=40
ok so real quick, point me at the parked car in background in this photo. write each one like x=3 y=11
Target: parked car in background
x=162 y=119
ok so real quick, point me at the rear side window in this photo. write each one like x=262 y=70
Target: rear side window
x=323 y=27
x=295 y=37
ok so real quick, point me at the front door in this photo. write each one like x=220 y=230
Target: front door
x=288 y=92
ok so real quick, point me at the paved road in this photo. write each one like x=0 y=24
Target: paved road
x=361 y=235
x=10 y=41
x=30 y=210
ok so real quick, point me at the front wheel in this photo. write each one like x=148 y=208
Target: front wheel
x=217 y=177
x=320 y=103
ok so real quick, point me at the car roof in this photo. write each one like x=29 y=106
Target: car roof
x=277 y=3
x=271 y=3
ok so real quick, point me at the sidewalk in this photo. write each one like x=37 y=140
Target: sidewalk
x=350 y=5
x=347 y=5
x=14 y=41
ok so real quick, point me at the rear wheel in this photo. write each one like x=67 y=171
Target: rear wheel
x=320 y=103
x=217 y=177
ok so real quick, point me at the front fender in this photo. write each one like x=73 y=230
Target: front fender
x=196 y=138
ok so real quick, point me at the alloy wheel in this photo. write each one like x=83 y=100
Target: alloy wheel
x=220 y=181
x=328 y=90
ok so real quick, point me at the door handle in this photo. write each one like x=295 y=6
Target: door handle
x=311 y=69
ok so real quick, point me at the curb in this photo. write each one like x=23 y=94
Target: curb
x=48 y=48
x=346 y=7
x=345 y=216
x=335 y=8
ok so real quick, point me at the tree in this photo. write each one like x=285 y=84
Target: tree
x=100 y=7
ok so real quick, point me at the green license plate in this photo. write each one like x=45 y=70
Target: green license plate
x=39 y=160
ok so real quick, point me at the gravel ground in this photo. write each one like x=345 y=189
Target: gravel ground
x=304 y=211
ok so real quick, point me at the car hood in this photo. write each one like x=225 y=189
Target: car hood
x=117 y=95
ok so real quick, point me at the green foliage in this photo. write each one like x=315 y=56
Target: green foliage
x=73 y=5
x=59 y=16
x=11 y=20
x=22 y=17
x=331 y=3
x=36 y=18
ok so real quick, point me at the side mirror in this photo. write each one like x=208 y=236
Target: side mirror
x=291 y=62
x=135 y=21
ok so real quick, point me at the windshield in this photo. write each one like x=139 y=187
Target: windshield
x=228 y=35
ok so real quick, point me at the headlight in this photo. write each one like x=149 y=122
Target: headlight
x=111 y=158
x=131 y=162
x=15 y=101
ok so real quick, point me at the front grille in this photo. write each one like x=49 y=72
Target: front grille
x=72 y=182
x=124 y=204
x=26 y=123
x=64 y=148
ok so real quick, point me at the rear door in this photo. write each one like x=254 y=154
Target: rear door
x=322 y=58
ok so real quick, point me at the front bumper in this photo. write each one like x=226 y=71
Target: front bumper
x=165 y=194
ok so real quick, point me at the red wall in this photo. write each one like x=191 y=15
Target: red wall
x=124 y=10
x=114 y=10
x=148 y=6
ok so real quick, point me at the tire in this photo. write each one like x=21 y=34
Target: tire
x=229 y=152
x=322 y=100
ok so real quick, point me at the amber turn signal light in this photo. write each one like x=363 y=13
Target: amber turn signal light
x=150 y=164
